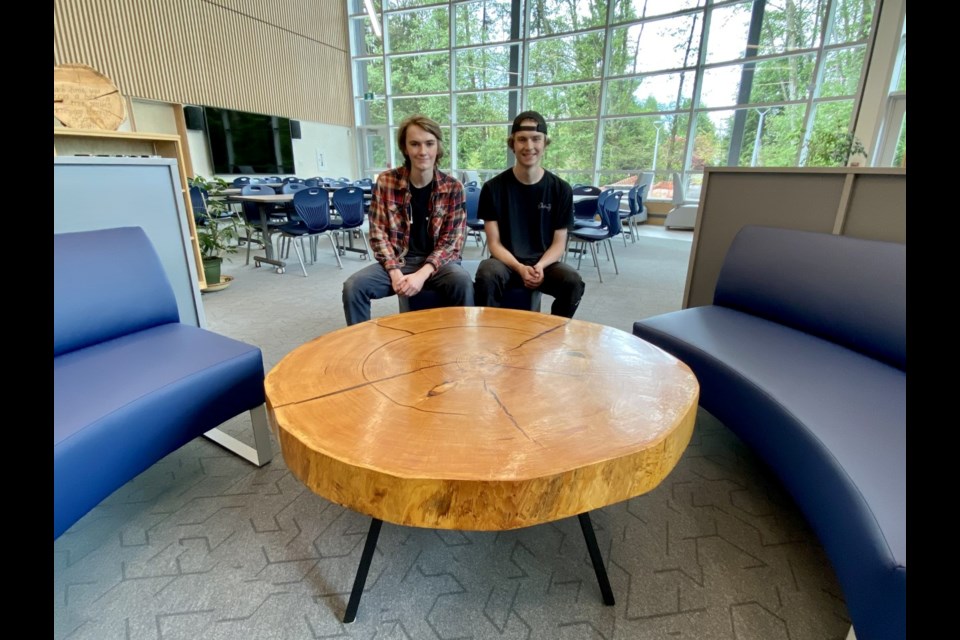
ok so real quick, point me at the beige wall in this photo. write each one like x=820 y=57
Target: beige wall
x=868 y=203
x=286 y=58
x=877 y=83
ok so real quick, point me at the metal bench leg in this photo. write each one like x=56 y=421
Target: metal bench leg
x=262 y=451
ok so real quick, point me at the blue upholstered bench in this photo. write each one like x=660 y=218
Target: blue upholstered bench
x=131 y=383
x=803 y=355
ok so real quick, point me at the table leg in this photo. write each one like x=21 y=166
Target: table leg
x=597 y=559
x=364 y=568
x=267 y=244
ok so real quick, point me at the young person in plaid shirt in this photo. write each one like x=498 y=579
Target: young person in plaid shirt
x=418 y=225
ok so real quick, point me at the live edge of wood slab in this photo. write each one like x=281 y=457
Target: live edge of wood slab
x=476 y=418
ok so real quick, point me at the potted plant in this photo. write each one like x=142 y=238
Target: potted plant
x=216 y=228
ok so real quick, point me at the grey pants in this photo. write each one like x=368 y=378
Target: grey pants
x=452 y=282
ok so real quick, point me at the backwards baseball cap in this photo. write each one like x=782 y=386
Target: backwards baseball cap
x=541 y=125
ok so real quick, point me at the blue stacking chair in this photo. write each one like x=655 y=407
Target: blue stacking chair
x=586 y=190
x=635 y=202
x=610 y=214
x=312 y=206
x=585 y=211
x=198 y=200
x=348 y=203
x=251 y=214
x=475 y=225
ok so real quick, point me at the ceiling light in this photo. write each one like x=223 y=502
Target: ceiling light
x=374 y=21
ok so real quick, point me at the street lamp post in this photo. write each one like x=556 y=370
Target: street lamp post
x=656 y=145
x=756 y=140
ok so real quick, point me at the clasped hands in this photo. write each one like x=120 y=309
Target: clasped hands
x=409 y=284
x=532 y=275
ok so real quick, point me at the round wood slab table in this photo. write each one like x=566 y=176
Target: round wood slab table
x=477 y=418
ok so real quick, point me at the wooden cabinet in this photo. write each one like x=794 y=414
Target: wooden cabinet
x=90 y=142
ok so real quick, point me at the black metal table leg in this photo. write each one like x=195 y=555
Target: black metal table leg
x=597 y=559
x=368 y=548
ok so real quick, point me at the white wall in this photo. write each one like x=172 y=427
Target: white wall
x=199 y=153
x=333 y=143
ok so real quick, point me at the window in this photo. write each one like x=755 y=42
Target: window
x=626 y=85
x=892 y=143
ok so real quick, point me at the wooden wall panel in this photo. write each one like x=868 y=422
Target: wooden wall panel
x=280 y=57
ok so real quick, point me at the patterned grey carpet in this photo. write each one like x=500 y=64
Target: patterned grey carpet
x=204 y=545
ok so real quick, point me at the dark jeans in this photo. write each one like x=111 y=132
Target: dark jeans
x=560 y=280
x=452 y=282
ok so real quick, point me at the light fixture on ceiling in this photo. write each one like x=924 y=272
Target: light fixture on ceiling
x=374 y=20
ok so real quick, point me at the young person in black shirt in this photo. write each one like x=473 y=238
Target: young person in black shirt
x=527 y=212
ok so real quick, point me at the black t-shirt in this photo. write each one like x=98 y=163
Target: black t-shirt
x=421 y=242
x=527 y=214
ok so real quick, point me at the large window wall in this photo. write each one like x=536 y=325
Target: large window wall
x=626 y=85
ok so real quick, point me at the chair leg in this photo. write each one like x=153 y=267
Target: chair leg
x=615 y=268
x=366 y=246
x=593 y=250
x=596 y=260
x=296 y=247
x=336 y=252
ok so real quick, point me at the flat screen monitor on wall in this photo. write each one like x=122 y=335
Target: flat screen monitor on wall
x=248 y=143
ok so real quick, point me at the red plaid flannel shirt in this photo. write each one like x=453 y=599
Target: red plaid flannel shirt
x=391 y=215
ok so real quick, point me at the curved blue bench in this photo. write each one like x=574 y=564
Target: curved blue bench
x=131 y=383
x=803 y=355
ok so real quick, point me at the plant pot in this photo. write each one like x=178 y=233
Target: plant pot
x=211 y=270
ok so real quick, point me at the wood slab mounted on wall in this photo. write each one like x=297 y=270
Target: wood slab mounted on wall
x=84 y=98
